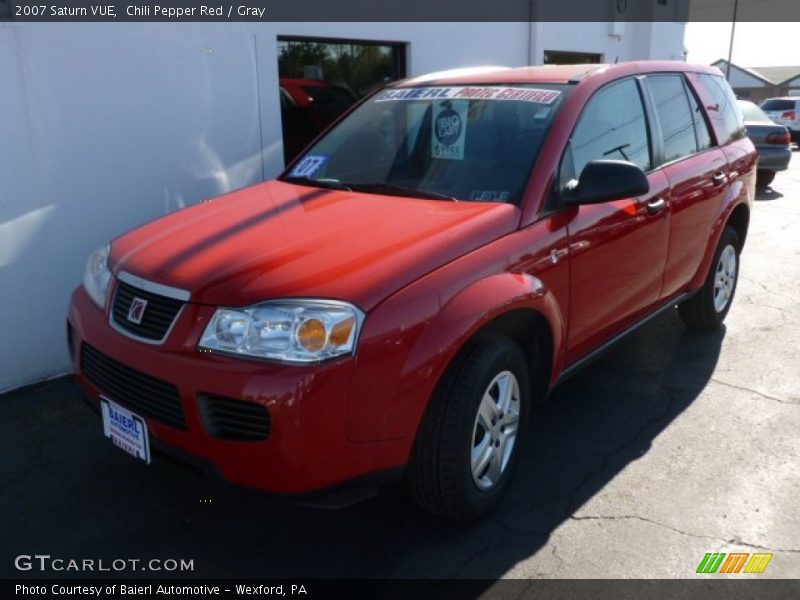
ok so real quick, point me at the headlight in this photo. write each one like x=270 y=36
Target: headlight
x=289 y=330
x=97 y=275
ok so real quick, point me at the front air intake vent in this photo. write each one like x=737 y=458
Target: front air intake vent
x=235 y=420
x=143 y=394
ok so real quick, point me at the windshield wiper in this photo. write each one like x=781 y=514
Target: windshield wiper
x=382 y=187
x=332 y=184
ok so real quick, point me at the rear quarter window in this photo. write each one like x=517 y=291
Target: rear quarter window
x=721 y=107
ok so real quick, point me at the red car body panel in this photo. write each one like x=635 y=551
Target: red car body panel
x=617 y=255
x=307 y=448
x=695 y=200
x=265 y=242
x=429 y=274
x=469 y=293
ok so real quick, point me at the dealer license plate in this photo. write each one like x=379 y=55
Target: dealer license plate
x=126 y=429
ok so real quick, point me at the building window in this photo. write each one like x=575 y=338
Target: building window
x=322 y=78
x=556 y=57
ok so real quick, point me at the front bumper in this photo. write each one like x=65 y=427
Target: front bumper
x=774 y=158
x=307 y=449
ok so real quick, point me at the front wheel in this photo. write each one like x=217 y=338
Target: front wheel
x=707 y=309
x=470 y=436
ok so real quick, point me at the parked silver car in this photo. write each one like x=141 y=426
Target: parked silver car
x=771 y=140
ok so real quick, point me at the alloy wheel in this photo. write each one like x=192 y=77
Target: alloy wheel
x=725 y=278
x=494 y=434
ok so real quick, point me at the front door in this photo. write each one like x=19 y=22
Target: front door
x=617 y=250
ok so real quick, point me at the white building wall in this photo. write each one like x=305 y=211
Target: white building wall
x=611 y=40
x=107 y=126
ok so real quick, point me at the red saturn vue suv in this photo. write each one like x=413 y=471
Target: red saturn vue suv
x=443 y=255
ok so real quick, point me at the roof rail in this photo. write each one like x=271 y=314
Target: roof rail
x=586 y=73
x=459 y=72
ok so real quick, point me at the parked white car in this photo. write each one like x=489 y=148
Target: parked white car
x=785 y=111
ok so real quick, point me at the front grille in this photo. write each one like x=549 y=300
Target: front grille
x=143 y=394
x=157 y=317
x=230 y=419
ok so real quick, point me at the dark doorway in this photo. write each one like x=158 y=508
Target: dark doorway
x=556 y=57
x=322 y=78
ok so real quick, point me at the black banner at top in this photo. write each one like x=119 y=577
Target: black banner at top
x=400 y=10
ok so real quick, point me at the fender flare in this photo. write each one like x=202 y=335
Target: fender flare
x=723 y=218
x=409 y=385
x=476 y=306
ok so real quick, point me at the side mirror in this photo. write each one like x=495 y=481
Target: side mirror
x=605 y=180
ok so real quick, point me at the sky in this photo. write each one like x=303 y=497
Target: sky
x=755 y=44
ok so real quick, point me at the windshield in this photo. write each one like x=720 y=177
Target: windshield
x=474 y=143
x=753 y=114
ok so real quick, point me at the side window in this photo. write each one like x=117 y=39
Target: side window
x=724 y=111
x=701 y=130
x=674 y=114
x=612 y=126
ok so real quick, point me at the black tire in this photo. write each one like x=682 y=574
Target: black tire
x=699 y=311
x=764 y=178
x=440 y=473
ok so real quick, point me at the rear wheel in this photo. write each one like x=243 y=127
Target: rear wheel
x=764 y=178
x=470 y=437
x=708 y=308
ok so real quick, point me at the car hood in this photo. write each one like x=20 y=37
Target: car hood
x=277 y=240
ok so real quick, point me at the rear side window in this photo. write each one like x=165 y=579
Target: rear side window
x=702 y=133
x=612 y=126
x=674 y=114
x=777 y=104
x=724 y=111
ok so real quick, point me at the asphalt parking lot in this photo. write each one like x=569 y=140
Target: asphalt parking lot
x=672 y=445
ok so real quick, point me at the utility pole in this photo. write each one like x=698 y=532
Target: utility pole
x=733 y=32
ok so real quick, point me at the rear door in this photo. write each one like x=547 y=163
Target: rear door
x=617 y=250
x=697 y=173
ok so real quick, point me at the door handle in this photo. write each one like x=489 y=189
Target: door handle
x=719 y=178
x=656 y=206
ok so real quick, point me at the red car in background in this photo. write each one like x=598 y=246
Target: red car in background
x=397 y=299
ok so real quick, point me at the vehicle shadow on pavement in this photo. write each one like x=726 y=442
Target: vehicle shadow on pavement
x=767 y=194
x=65 y=491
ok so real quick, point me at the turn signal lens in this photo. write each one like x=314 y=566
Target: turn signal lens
x=340 y=334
